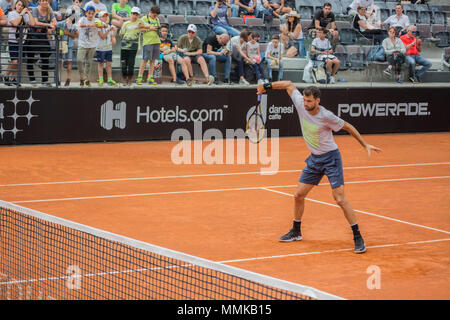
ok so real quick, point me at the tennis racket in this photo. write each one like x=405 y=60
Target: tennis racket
x=255 y=127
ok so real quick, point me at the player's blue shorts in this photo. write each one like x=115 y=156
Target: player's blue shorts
x=329 y=164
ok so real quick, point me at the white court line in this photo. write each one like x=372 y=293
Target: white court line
x=213 y=175
x=208 y=190
x=364 y=212
x=331 y=251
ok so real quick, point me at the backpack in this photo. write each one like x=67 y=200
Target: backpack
x=376 y=53
x=319 y=74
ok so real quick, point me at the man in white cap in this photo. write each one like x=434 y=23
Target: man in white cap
x=190 y=47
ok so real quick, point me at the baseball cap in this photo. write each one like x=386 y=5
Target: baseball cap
x=103 y=13
x=135 y=10
x=192 y=27
x=89 y=8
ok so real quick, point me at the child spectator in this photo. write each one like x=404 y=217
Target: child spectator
x=170 y=55
x=254 y=54
x=121 y=12
x=129 y=46
x=273 y=57
x=107 y=39
x=150 y=26
x=321 y=47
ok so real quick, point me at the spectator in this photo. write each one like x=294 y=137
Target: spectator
x=54 y=4
x=263 y=9
x=279 y=8
x=214 y=50
x=368 y=4
x=73 y=14
x=237 y=47
x=395 y=50
x=324 y=18
x=7 y=6
x=255 y=60
x=19 y=16
x=169 y=51
x=246 y=7
x=292 y=36
x=107 y=39
x=322 y=50
x=399 y=20
x=87 y=42
x=368 y=30
x=38 y=42
x=412 y=54
x=151 y=43
x=120 y=12
x=220 y=13
x=129 y=45
x=98 y=6
x=273 y=57
x=190 y=48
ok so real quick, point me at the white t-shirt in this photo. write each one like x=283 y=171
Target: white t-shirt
x=274 y=52
x=12 y=15
x=253 y=49
x=88 y=36
x=394 y=21
x=317 y=130
x=104 y=44
x=322 y=45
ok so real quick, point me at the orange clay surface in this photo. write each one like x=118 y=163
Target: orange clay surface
x=401 y=198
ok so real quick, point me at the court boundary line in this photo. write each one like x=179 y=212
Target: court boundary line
x=212 y=175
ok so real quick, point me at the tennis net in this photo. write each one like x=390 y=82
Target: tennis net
x=46 y=257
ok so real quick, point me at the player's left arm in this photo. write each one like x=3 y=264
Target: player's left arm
x=355 y=134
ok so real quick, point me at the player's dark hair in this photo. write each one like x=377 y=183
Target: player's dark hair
x=312 y=91
x=155 y=9
x=327 y=4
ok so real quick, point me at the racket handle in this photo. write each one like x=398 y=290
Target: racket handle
x=259 y=97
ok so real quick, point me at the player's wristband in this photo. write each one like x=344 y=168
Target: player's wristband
x=268 y=85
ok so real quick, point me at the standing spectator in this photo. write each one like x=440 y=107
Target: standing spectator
x=399 y=20
x=214 y=50
x=238 y=48
x=220 y=13
x=190 y=48
x=38 y=42
x=87 y=43
x=255 y=60
x=130 y=43
x=292 y=35
x=107 y=39
x=246 y=7
x=321 y=46
x=98 y=6
x=19 y=16
x=279 y=8
x=273 y=57
x=395 y=49
x=169 y=51
x=412 y=54
x=73 y=14
x=120 y=12
x=150 y=27
x=323 y=18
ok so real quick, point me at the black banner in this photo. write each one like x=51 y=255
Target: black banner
x=80 y=115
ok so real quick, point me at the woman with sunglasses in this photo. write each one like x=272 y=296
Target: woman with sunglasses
x=395 y=50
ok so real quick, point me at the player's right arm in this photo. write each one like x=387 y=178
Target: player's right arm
x=278 y=85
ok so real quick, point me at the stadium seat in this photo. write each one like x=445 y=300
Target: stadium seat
x=446 y=57
x=171 y=19
x=411 y=11
x=176 y=30
x=237 y=23
x=197 y=20
x=305 y=8
x=355 y=57
x=167 y=6
x=202 y=8
x=439 y=15
x=424 y=31
x=425 y=15
x=185 y=7
x=439 y=31
x=347 y=35
x=146 y=5
x=340 y=53
x=384 y=10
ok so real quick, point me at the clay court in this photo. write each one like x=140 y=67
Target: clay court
x=234 y=215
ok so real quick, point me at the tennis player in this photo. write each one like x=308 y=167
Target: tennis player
x=318 y=124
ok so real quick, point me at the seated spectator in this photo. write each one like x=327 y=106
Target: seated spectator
x=246 y=7
x=219 y=13
x=120 y=13
x=412 y=54
x=129 y=45
x=273 y=57
x=322 y=51
x=323 y=18
x=190 y=48
x=255 y=59
x=238 y=47
x=353 y=7
x=214 y=50
x=399 y=20
x=169 y=51
x=368 y=30
x=279 y=8
x=394 y=50
x=19 y=16
x=97 y=5
x=263 y=9
x=292 y=36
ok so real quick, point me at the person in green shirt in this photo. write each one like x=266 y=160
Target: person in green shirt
x=129 y=33
x=121 y=13
x=149 y=26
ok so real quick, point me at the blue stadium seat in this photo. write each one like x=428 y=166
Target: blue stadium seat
x=185 y=7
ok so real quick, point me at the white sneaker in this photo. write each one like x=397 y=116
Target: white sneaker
x=266 y=80
x=243 y=81
x=260 y=81
x=332 y=80
x=210 y=80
